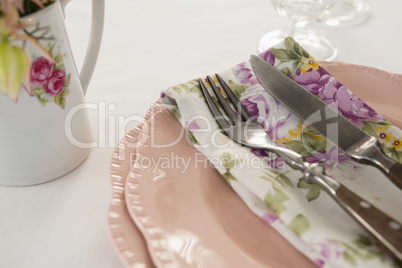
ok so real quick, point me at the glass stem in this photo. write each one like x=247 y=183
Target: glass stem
x=297 y=30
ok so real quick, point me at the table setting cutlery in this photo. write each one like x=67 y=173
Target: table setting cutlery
x=129 y=167
x=349 y=138
x=245 y=129
x=191 y=214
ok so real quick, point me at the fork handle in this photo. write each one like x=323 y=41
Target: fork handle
x=386 y=230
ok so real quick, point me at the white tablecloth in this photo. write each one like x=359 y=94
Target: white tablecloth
x=147 y=47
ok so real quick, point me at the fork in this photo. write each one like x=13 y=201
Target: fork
x=237 y=123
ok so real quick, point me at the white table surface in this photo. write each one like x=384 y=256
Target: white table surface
x=147 y=47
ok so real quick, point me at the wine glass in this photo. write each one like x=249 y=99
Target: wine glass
x=346 y=12
x=300 y=13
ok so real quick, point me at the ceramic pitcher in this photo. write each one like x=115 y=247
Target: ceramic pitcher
x=44 y=135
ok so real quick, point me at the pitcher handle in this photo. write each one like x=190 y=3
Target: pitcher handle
x=95 y=38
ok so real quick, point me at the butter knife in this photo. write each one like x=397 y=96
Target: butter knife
x=360 y=146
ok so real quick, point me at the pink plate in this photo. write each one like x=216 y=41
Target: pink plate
x=381 y=90
x=127 y=239
x=189 y=214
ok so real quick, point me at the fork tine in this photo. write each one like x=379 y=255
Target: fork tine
x=235 y=100
x=212 y=106
x=226 y=107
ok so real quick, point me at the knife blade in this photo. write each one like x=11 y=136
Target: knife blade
x=357 y=144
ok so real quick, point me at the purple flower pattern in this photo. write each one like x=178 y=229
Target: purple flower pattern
x=273 y=161
x=324 y=252
x=313 y=81
x=268 y=57
x=193 y=125
x=332 y=92
x=245 y=74
x=340 y=98
x=269 y=218
x=329 y=159
x=252 y=104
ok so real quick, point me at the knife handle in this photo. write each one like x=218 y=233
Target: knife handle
x=386 y=230
x=395 y=174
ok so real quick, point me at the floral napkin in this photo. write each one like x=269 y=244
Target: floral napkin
x=304 y=214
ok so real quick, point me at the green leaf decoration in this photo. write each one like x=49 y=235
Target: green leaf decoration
x=363 y=241
x=60 y=100
x=313 y=189
x=370 y=127
x=309 y=141
x=217 y=102
x=40 y=94
x=229 y=177
x=50 y=48
x=176 y=112
x=396 y=155
x=194 y=89
x=297 y=64
x=313 y=141
x=226 y=158
x=298 y=147
x=308 y=144
x=65 y=92
x=285 y=179
x=292 y=52
x=189 y=87
x=321 y=146
x=233 y=163
x=191 y=136
x=299 y=224
x=177 y=89
x=298 y=49
x=57 y=99
x=67 y=82
x=228 y=163
x=286 y=71
x=362 y=248
x=281 y=54
x=277 y=179
x=275 y=200
x=314 y=132
x=289 y=43
x=237 y=88
x=38 y=91
x=295 y=49
x=349 y=258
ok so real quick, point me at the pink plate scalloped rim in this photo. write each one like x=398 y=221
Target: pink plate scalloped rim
x=365 y=82
x=189 y=215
